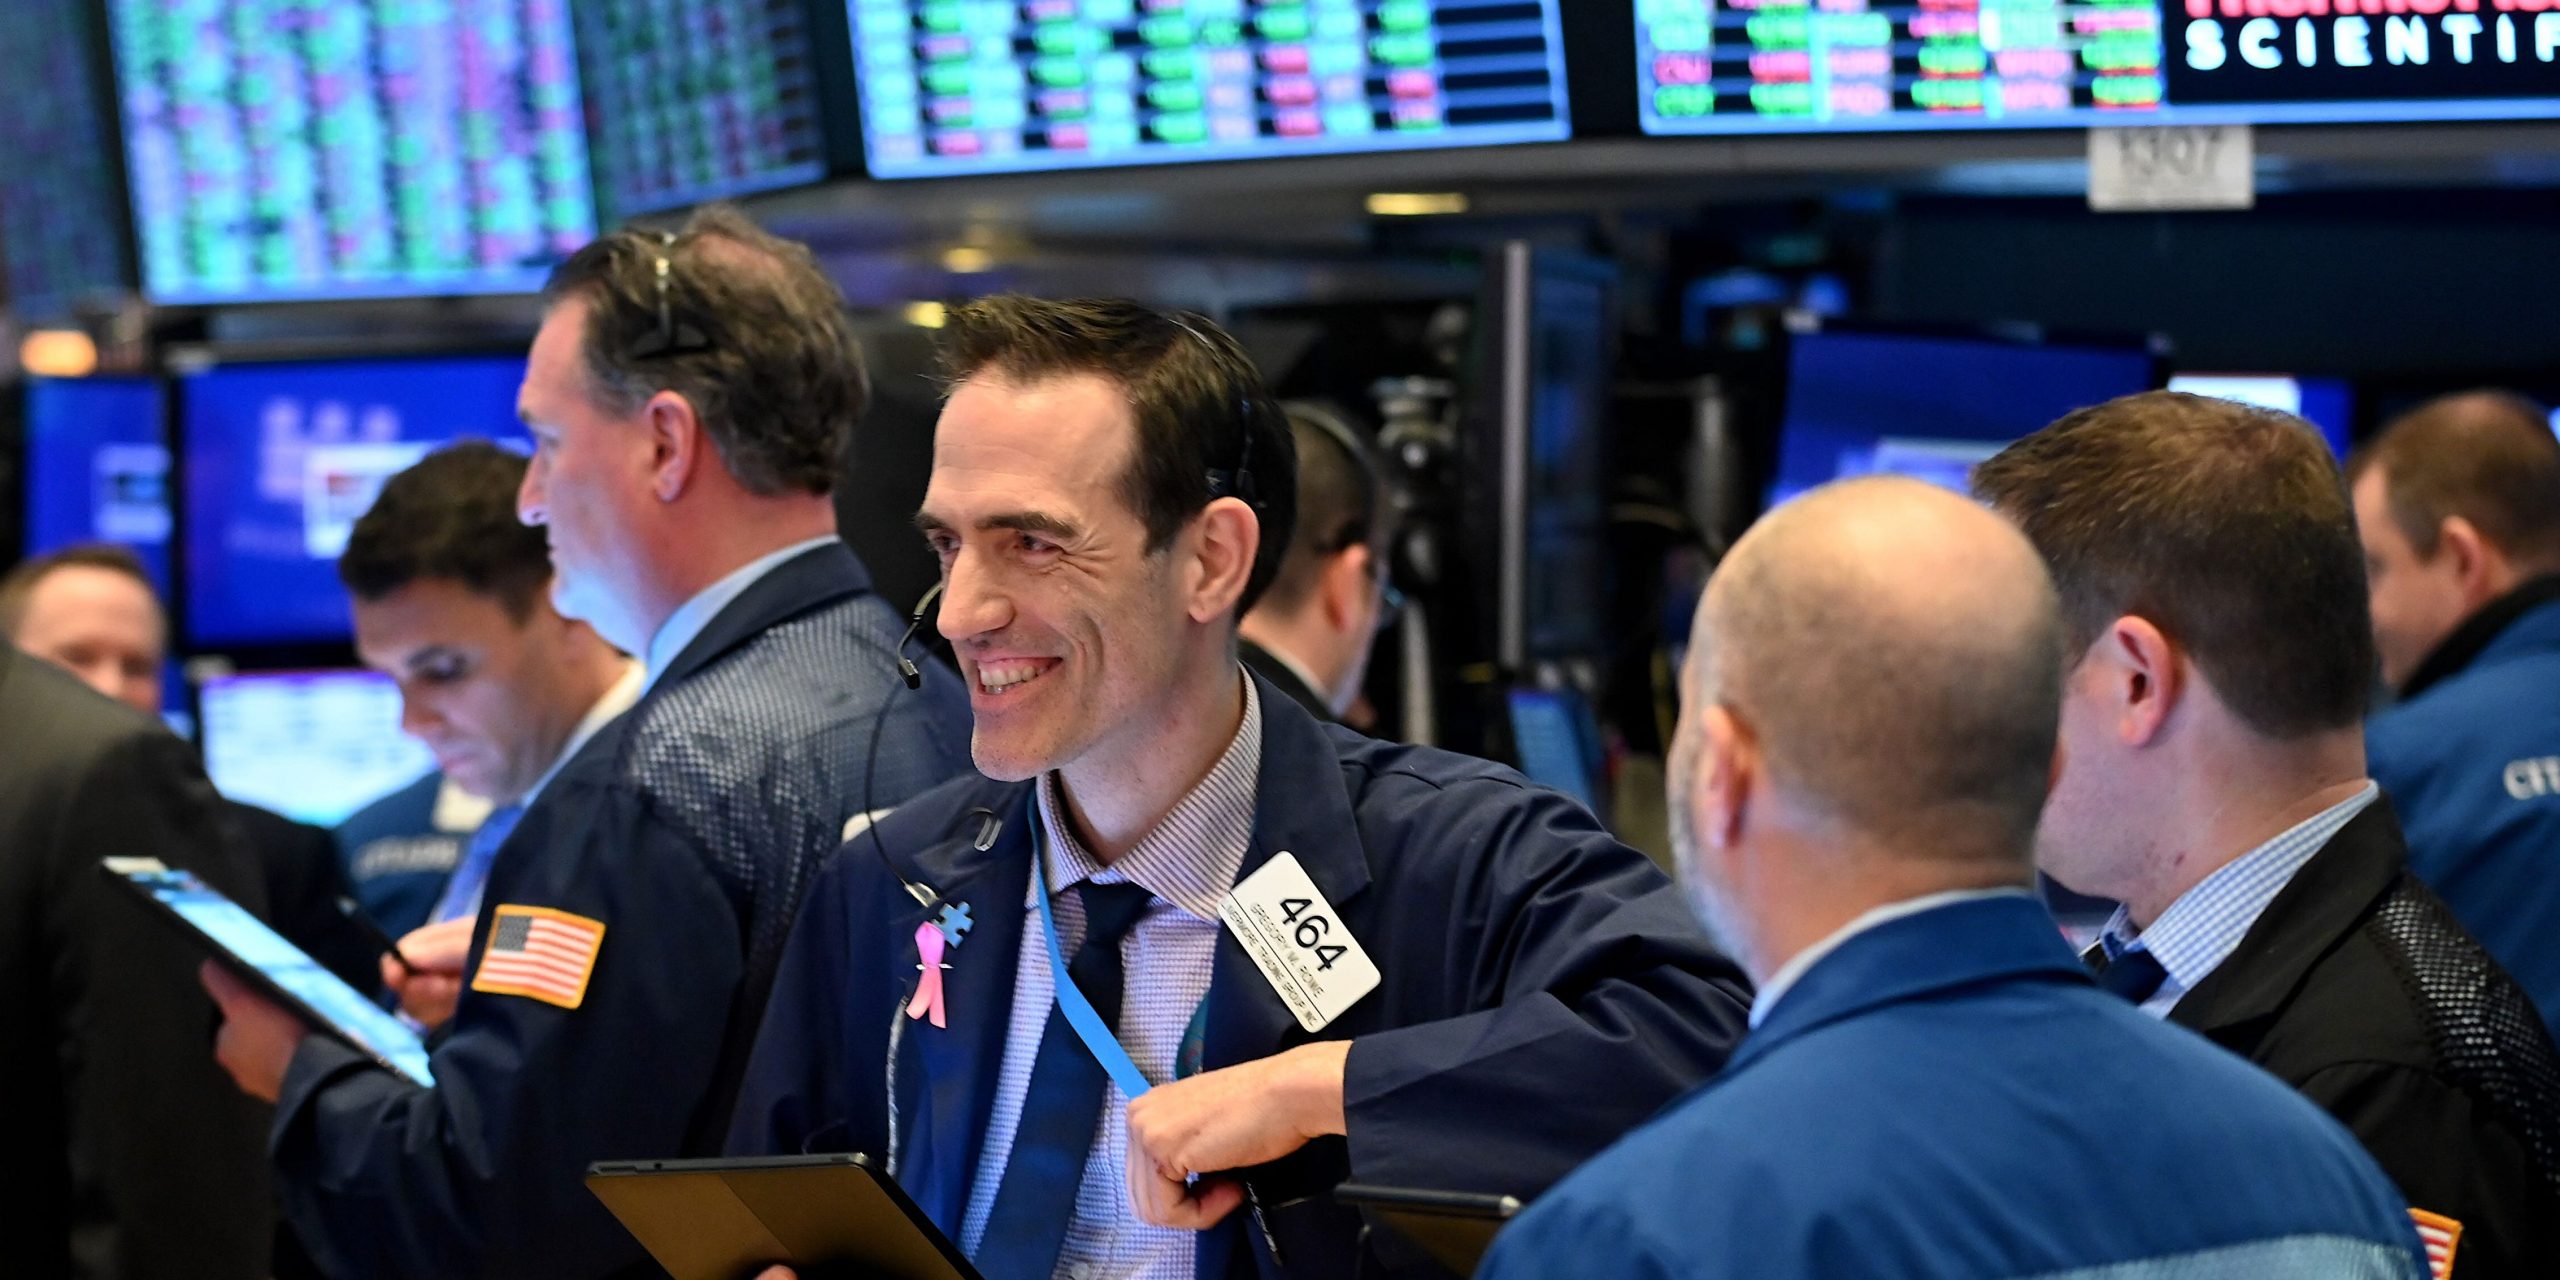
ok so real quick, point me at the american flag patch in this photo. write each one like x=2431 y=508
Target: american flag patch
x=2439 y=1234
x=540 y=954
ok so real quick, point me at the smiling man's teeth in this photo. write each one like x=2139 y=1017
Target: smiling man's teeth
x=997 y=679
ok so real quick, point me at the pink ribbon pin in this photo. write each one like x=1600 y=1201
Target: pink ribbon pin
x=928 y=997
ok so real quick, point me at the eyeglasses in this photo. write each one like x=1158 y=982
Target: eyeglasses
x=670 y=338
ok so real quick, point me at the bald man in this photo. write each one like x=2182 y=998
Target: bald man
x=1927 y=1058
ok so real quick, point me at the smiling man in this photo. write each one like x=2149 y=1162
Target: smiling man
x=452 y=601
x=688 y=396
x=1430 y=972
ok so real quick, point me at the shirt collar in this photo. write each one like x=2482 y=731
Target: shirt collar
x=1299 y=669
x=618 y=698
x=690 y=618
x=2206 y=924
x=1802 y=962
x=1189 y=859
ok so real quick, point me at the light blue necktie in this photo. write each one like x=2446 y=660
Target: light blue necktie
x=462 y=893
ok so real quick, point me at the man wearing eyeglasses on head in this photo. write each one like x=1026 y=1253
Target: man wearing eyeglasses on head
x=688 y=396
x=1311 y=632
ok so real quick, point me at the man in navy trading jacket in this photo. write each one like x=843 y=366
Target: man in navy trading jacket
x=1932 y=1088
x=1429 y=972
x=688 y=395
x=2458 y=506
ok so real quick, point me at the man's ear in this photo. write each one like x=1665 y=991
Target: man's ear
x=2141 y=673
x=677 y=444
x=1729 y=777
x=2478 y=568
x=1225 y=536
x=1347 y=589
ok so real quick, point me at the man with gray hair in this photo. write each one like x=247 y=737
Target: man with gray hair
x=1865 y=739
x=688 y=395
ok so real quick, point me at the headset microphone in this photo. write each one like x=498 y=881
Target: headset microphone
x=914 y=678
x=915 y=622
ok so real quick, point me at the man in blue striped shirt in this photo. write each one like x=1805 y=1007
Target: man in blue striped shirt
x=2213 y=782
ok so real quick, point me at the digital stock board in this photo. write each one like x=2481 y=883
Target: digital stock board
x=975 y=86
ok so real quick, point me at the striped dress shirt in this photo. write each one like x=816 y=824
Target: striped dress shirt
x=2205 y=925
x=1188 y=862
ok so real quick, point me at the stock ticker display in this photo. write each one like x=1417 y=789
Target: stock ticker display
x=976 y=86
x=1742 y=66
x=282 y=149
x=693 y=100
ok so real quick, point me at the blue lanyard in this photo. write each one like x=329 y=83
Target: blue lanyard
x=1089 y=1025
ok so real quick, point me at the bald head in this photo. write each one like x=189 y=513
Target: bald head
x=1896 y=652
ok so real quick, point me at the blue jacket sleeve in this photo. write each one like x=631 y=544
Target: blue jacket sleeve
x=482 y=1174
x=1597 y=999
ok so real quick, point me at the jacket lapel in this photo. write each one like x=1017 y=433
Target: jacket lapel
x=946 y=1079
x=1246 y=1019
x=813 y=579
x=2324 y=903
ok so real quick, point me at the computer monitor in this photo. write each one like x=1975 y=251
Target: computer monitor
x=64 y=237
x=698 y=100
x=98 y=468
x=2326 y=403
x=314 y=746
x=1538 y=452
x=1557 y=742
x=950 y=89
x=1930 y=406
x=295 y=151
x=283 y=457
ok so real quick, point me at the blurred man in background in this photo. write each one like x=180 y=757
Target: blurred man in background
x=2458 y=505
x=1311 y=633
x=90 y=610
x=452 y=600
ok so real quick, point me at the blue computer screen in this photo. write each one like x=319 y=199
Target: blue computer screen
x=1553 y=735
x=361 y=148
x=962 y=86
x=281 y=460
x=314 y=746
x=98 y=468
x=2326 y=403
x=1931 y=407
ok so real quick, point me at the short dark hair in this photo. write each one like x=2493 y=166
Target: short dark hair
x=2226 y=526
x=745 y=327
x=1199 y=404
x=2487 y=456
x=18 y=586
x=451 y=515
x=1340 y=503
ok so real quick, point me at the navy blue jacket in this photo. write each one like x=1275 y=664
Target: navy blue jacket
x=1545 y=989
x=1946 y=1097
x=397 y=858
x=2471 y=761
x=689 y=826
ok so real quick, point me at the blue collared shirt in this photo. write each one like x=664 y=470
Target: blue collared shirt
x=2205 y=925
x=1794 y=969
x=1188 y=862
x=689 y=619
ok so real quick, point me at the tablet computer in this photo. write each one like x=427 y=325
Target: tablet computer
x=824 y=1216
x=1454 y=1227
x=246 y=946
